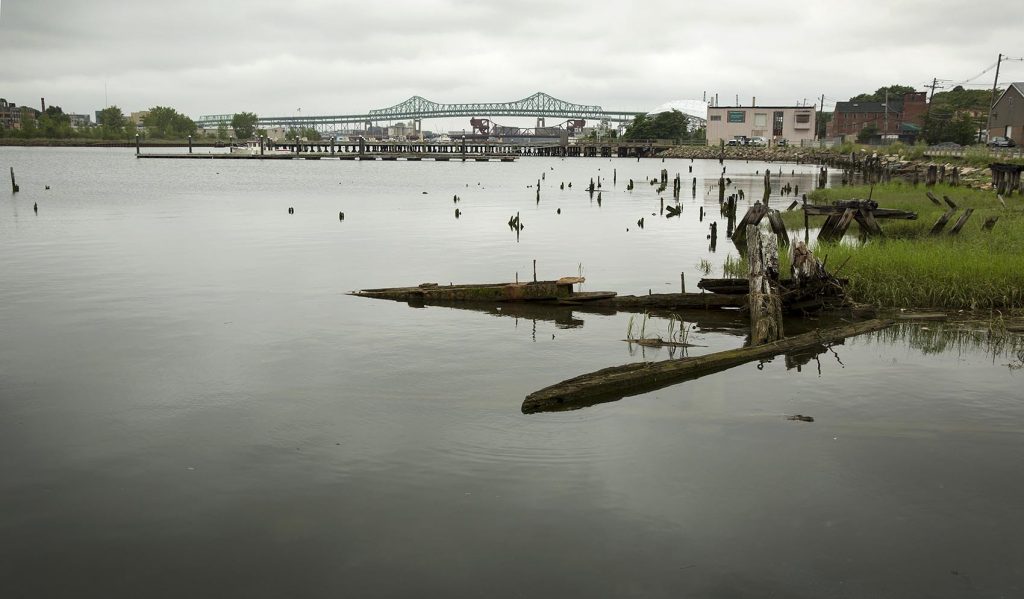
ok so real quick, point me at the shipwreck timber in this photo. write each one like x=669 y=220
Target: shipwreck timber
x=611 y=384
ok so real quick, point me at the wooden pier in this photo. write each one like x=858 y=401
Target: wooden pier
x=461 y=150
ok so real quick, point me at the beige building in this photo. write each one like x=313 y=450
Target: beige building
x=791 y=123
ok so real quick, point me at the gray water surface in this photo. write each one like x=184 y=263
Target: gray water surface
x=190 y=404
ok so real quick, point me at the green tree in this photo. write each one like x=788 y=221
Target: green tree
x=111 y=122
x=167 y=123
x=244 y=124
x=309 y=133
x=824 y=118
x=867 y=133
x=222 y=131
x=896 y=92
x=54 y=124
x=945 y=124
x=671 y=124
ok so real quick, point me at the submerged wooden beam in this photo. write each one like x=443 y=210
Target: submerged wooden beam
x=611 y=384
x=673 y=301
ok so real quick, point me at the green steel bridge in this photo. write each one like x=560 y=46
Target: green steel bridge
x=416 y=108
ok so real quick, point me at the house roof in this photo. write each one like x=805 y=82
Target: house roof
x=1019 y=85
x=869 y=107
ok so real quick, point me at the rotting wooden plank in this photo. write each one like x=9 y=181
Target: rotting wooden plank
x=673 y=301
x=961 y=221
x=867 y=222
x=931 y=196
x=611 y=384
x=950 y=202
x=939 y=224
x=778 y=227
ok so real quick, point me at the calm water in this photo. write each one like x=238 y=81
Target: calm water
x=190 y=405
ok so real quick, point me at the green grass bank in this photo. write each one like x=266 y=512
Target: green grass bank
x=908 y=268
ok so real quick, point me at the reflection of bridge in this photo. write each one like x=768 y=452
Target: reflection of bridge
x=539 y=105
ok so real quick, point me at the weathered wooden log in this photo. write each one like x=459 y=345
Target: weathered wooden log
x=611 y=384
x=867 y=222
x=14 y=184
x=765 y=304
x=931 y=196
x=939 y=224
x=961 y=221
x=819 y=210
x=949 y=202
x=778 y=227
x=673 y=301
x=753 y=217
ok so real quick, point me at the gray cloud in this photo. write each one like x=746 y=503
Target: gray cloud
x=205 y=57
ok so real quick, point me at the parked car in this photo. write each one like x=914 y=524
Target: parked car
x=758 y=141
x=782 y=143
x=1001 y=142
x=736 y=141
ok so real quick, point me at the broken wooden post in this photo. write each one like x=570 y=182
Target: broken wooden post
x=14 y=184
x=931 y=196
x=961 y=221
x=989 y=223
x=939 y=224
x=778 y=227
x=949 y=202
x=767 y=185
x=765 y=304
x=137 y=149
x=721 y=189
x=932 y=176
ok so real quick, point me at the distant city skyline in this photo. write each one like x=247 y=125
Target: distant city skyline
x=310 y=58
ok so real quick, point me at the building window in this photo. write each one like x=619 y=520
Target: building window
x=737 y=116
x=777 y=123
x=715 y=117
x=760 y=120
x=803 y=117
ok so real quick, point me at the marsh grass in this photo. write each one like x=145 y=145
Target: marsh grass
x=908 y=268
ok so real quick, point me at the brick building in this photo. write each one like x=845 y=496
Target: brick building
x=903 y=117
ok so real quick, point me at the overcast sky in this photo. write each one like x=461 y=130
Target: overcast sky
x=326 y=57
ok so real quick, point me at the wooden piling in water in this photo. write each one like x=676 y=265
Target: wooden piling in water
x=764 y=301
x=14 y=184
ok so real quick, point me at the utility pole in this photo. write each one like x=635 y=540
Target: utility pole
x=992 y=104
x=885 y=129
x=821 y=111
x=935 y=84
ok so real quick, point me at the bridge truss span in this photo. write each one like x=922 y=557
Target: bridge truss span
x=538 y=105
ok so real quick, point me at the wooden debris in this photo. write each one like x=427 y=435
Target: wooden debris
x=800 y=418
x=961 y=221
x=931 y=196
x=611 y=384
x=939 y=224
x=989 y=223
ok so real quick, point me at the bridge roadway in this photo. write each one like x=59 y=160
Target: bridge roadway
x=416 y=108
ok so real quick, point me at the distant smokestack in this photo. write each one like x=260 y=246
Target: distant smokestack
x=716 y=99
x=42 y=102
x=753 y=101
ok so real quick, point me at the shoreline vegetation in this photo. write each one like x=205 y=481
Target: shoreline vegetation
x=909 y=268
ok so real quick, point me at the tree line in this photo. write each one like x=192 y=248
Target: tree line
x=159 y=122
